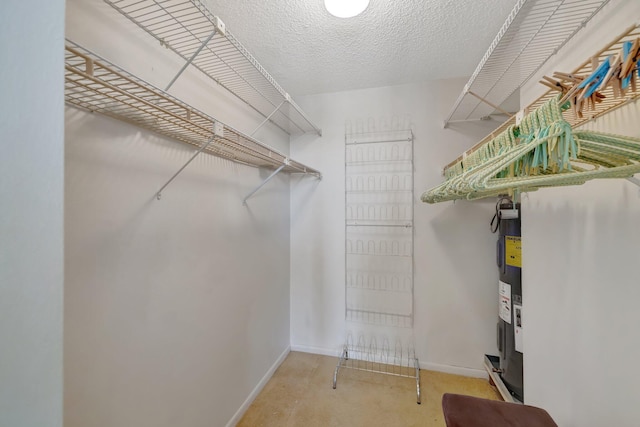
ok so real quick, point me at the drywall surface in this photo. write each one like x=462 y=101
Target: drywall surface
x=580 y=285
x=31 y=216
x=175 y=309
x=455 y=271
x=580 y=294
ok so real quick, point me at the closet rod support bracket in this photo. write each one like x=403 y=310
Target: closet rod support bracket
x=269 y=116
x=218 y=131
x=269 y=178
x=490 y=104
x=190 y=60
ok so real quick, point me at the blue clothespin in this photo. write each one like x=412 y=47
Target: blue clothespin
x=626 y=50
x=596 y=78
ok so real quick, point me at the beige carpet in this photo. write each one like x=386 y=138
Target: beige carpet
x=300 y=393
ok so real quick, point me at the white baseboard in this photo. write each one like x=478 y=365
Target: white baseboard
x=447 y=369
x=317 y=350
x=258 y=388
x=456 y=370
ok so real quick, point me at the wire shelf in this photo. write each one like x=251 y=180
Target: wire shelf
x=609 y=103
x=92 y=83
x=184 y=26
x=534 y=31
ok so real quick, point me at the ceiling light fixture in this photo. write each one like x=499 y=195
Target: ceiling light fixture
x=346 y=8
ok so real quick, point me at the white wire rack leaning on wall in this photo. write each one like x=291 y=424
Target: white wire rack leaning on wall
x=379 y=255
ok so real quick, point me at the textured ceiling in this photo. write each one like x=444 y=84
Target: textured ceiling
x=393 y=42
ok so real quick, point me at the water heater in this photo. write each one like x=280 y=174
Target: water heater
x=510 y=298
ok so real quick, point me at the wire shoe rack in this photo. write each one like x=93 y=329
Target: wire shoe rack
x=384 y=357
x=379 y=255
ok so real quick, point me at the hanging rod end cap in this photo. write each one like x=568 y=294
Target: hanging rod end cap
x=219 y=26
x=287 y=97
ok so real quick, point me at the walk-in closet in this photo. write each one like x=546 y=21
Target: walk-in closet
x=336 y=213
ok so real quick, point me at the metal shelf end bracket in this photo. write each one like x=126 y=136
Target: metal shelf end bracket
x=269 y=178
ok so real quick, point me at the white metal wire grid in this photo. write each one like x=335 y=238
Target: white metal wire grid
x=379 y=228
x=184 y=25
x=379 y=254
x=381 y=355
x=534 y=31
x=394 y=358
x=94 y=84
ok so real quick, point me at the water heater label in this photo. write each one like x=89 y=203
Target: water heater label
x=517 y=327
x=504 y=301
x=513 y=251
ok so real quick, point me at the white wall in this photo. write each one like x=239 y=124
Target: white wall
x=455 y=272
x=31 y=216
x=580 y=285
x=175 y=310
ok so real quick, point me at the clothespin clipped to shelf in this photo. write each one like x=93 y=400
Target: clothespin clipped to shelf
x=573 y=78
x=614 y=70
x=554 y=84
x=585 y=89
x=630 y=53
x=593 y=82
x=616 y=73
